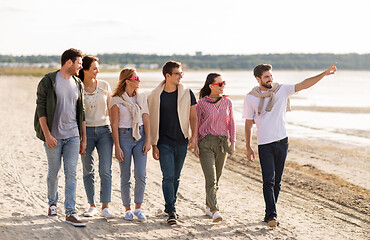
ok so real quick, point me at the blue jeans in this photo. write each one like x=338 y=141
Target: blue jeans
x=272 y=158
x=68 y=149
x=132 y=149
x=101 y=138
x=171 y=159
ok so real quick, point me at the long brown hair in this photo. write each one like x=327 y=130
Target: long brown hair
x=125 y=74
x=86 y=64
x=205 y=91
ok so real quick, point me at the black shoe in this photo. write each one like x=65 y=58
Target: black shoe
x=172 y=218
x=177 y=215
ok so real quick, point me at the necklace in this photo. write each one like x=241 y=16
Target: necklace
x=91 y=87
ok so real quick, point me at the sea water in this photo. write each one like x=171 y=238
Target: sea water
x=345 y=89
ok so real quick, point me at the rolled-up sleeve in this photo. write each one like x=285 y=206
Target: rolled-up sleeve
x=232 y=126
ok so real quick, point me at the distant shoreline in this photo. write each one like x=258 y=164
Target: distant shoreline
x=292 y=61
x=39 y=72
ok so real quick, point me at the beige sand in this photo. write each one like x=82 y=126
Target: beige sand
x=325 y=194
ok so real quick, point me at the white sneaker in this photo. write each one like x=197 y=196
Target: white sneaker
x=52 y=212
x=208 y=212
x=129 y=216
x=91 y=212
x=106 y=213
x=140 y=215
x=217 y=217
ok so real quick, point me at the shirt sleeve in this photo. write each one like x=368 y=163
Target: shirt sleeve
x=144 y=102
x=109 y=89
x=193 y=100
x=114 y=101
x=289 y=89
x=199 y=117
x=232 y=126
x=248 y=112
x=42 y=89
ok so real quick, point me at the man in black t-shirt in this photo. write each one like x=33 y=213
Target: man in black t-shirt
x=172 y=110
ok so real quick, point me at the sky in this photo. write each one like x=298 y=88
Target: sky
x=47 y=27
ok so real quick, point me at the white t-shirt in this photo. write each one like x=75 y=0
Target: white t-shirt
x=125 y=118
x=270 y=125
x=96 y=109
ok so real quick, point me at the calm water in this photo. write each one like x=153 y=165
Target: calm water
x=344 y=89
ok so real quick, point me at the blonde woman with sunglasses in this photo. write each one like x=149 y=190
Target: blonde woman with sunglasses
x=216 y=126
x=131 y=138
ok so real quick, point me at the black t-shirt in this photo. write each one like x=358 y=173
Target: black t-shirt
x=169 y=125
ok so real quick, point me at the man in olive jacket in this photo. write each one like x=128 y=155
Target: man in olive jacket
x=60 y=123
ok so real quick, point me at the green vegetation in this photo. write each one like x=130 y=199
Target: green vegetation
x=36 y=72
x=350 y=61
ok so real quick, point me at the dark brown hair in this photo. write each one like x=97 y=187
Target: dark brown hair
x=205 y=91
x=260 y=69
x=86 y=64
x=70 y=54
x=169 y=66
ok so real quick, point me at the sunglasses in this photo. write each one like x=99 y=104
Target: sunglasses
x=178 y=74
x=135 y=78
x=220 y=84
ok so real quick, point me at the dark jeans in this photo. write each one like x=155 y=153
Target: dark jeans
x=272 y=158
x=171 y=159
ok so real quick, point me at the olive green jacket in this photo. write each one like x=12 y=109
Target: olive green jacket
x=46 y=103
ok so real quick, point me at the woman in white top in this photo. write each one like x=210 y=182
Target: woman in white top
x=131 y=138
x=97 y=95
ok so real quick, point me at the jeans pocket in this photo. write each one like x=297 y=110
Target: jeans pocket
x=142 y=132
x=107 y=129
x=123 y=130
x=204 y=142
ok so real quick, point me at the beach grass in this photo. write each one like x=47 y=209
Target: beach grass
x=37 y=72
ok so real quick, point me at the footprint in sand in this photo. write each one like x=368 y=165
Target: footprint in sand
x=16 y=214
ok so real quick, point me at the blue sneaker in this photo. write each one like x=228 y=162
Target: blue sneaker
x=140 y=215
x=129 y=216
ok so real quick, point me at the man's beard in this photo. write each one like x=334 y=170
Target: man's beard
x=73 y=73
x=266 y=86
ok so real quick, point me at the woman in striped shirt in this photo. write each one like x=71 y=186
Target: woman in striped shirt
x=216 y=126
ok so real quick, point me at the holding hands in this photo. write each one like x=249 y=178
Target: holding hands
x=147 y=146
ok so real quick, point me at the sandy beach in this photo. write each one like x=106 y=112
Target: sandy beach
x=325 y=190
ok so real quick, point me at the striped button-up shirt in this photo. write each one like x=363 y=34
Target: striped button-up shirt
x=215 y=120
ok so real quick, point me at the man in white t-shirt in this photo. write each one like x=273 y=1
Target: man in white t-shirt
x=265 y=106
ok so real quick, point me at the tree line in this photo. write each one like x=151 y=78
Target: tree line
x=291 y=61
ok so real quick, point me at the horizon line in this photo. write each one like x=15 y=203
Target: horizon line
x=195 y=54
